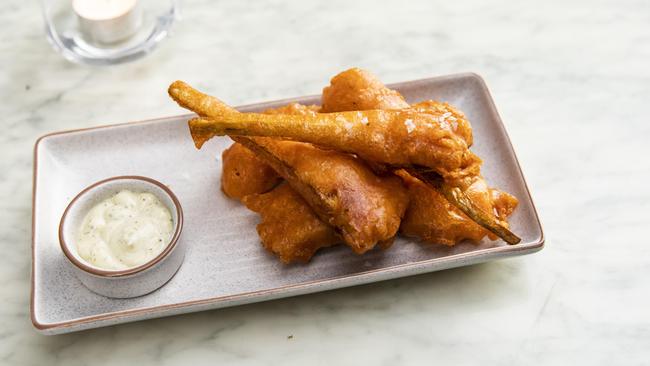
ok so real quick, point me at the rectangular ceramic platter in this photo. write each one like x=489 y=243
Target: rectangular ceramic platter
x=225 y=264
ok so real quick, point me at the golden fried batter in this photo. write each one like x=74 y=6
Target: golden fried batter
x=243 y=173
x=358 y=90
x=289 y=228
x=336 y=195
x=504 y=204
x=295 y=109
x=363 y=208
x=429 y=215
x=344 y=193
x=455 y=119
x=433 y=219
x=394 y=137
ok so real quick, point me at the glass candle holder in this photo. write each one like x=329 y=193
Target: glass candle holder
x=106 y=32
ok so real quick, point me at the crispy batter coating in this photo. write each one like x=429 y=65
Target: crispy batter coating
x=455 y=120
x=394 y=137
x=358 y=90
x=343 y=191
x=504 y=204
x=243 y=173
x=433 y=219
x=364 y=209
x=289 y=228
x=376 y=124
x=429 y=216
x=295 y=109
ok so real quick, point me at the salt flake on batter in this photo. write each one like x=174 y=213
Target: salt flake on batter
x=347 y=124
x=410 y=126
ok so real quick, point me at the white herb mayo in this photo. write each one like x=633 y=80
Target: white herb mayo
x=124 y=231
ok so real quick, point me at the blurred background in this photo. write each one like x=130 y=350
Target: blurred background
x=570 y=80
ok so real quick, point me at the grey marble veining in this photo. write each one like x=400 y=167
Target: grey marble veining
x=571 y=82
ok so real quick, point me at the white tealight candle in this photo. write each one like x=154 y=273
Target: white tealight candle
x=108 y=21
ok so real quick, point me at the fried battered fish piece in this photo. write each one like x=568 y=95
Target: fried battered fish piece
x=433 y=219
x=289 y=228
x=429 y=216
x=243 y=173
x=344 y=193
x=358 y=90
x=363 y=208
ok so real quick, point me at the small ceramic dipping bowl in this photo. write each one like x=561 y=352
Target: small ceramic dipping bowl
x=130 y=282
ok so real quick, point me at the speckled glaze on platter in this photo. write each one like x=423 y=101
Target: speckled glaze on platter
x=225 y=265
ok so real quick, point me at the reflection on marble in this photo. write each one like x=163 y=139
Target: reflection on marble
x=571 y=82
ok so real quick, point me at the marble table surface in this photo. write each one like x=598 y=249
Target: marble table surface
x=571 y=81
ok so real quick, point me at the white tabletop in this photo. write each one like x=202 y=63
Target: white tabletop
x=571 y=81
